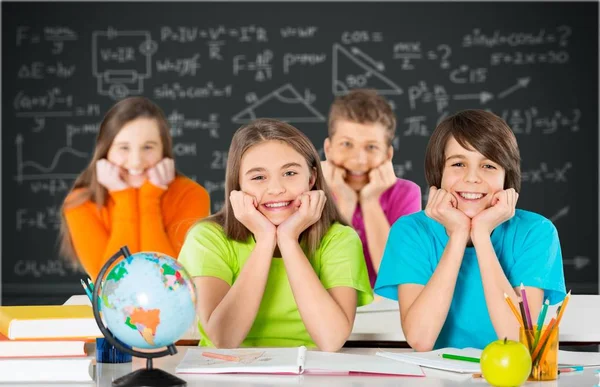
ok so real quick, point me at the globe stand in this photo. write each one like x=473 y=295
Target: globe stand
x=144 y=377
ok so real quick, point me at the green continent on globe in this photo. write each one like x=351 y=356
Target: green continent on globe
x=171 y=277
x=144 y=321
x=117 y=273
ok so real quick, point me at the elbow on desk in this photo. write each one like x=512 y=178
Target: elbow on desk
x=334 y=341
x=330 y=346
x=223 y=341
x=418 y=342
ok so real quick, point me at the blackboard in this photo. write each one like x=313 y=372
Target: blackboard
x=215 y=66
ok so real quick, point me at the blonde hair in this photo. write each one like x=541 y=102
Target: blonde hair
x=254 y=133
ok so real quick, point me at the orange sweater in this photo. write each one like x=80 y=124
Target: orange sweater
x=144 y=219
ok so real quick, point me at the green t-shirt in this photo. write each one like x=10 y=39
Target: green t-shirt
x=338 y=261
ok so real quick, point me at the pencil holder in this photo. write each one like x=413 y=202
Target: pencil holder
x=108 y=353
x=543 y=347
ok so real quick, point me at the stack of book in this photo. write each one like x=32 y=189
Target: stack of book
x=47 y=343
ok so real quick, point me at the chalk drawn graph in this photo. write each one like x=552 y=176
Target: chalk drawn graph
x=31 y=170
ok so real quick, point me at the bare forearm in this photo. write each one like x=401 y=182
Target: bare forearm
x=346 y=209
x=232 y=319
x=325 y=321
x=495 y=284
x=377 y=229
x=427 y=314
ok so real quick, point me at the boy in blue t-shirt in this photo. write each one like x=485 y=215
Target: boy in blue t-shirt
x=450 y=265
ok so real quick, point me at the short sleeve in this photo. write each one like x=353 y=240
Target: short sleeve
x=205 y=252
x=538 y=261
x=405 y=200
x=342 y=262
x=405 y=258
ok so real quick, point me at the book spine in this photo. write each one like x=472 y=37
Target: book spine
x=301 y=359
x=5 y=324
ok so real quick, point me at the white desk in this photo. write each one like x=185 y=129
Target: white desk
x=380 y=321
x=580 y=323
x=434 y=378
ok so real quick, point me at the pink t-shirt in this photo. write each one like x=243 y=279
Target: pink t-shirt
x=402 y=198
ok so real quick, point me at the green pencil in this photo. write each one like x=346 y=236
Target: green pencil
x=457 y=357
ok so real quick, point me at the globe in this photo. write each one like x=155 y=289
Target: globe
x=147 y=300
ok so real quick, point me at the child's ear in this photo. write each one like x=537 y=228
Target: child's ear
x=390 y=153
x=326 y=147
x=313 y=178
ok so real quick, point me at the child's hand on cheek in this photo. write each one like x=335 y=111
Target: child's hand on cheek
x=380 y=179
x=442 y=207
x=502 y=209
x=162 y=174
x=109 y=176
x=309 y=209
x=335 y=177
x=245 y=210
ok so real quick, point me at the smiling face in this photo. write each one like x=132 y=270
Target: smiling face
x=275 y=174
x=470 y=177
x=136 y=148
x=358 y=148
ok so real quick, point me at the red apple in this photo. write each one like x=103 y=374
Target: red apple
x=505 y=363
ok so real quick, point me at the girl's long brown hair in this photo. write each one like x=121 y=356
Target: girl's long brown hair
x=86 y=184
x=255 y=133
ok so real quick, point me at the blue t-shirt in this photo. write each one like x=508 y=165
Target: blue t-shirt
x=526 y=245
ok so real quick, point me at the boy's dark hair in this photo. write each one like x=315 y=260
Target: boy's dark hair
x=364 y=106
x=482 y=131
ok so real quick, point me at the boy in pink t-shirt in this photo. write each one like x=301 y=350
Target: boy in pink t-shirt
x=360 y=173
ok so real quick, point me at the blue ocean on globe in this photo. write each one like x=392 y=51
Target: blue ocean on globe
x=148 y=300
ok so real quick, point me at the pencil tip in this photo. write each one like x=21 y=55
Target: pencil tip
x=547 y=302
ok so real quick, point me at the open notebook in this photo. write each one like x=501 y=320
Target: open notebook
x=433 y=359
x=288 y=361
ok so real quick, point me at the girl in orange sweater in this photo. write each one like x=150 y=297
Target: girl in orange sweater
x=130 y=193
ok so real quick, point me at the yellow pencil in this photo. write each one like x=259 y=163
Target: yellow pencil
x=512 y=307
x=563 y=307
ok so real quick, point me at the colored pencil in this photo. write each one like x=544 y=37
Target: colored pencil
x=526 y=307
x=458 y=357
x=563 y=307
x=570 y=369
x=513 y=309
x=543 y=339
x=87 y=291
x=221 y=356
x=525 y=327
x=540 y=321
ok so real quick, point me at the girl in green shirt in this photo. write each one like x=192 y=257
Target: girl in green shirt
x=276 y=266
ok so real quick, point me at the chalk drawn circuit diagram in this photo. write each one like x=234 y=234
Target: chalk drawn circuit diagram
x=121 y=60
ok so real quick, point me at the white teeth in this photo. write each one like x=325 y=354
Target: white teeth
x=276 y=205
x=471 y=196
x=135 y=172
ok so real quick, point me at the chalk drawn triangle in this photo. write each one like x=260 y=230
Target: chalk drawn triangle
x=347 y=66
x=284 y=104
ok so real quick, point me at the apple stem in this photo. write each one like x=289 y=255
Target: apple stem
x=505 y=339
